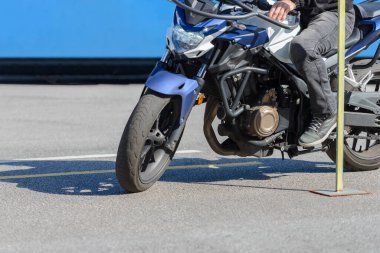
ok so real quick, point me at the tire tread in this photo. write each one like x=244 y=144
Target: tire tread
x=133 y=139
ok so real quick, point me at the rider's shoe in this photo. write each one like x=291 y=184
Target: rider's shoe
x=318 y=131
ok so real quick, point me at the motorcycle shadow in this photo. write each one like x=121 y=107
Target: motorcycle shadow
x=84 y=178
x=226 y=169
x=97 y=178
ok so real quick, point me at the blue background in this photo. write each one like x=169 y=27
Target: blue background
x=84 y=28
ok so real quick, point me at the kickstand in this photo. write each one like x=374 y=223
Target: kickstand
x=283 y=155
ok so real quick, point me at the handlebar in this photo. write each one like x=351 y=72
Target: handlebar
x=265 y=17
x=211 y=15
x=251 y=13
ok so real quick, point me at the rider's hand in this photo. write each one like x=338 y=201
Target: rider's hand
x=281 y=9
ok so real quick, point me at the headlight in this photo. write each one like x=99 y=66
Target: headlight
x=184 y=41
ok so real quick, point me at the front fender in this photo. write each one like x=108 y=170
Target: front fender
x=165 y=82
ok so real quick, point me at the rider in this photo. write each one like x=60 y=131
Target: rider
x=319 y=21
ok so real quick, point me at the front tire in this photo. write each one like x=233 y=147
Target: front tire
x=142 y=157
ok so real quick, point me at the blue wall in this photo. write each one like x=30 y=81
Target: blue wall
x=84 y=28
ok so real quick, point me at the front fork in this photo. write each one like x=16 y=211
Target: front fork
x=174 y=138
x=168 y=83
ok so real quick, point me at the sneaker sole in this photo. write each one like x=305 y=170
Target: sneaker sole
x=313 y=144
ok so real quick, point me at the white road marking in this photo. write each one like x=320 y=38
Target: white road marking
x=60 y=158
x=188 y=151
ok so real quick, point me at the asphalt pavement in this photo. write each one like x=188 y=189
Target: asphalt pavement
x=58 y=191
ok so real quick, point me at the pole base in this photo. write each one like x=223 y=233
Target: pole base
x=345 y=192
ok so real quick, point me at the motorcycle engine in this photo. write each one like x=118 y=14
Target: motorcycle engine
x=262 y=120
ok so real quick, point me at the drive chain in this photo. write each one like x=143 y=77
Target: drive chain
x=371 y=137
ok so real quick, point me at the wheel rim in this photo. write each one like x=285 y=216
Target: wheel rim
x=154 y=156
x=361 y=148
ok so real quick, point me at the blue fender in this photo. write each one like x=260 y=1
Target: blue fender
x=165 y=82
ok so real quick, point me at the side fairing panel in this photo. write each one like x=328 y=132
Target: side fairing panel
x=370 y=51
x=250 y=37
x=370 y=38
x=278 y=38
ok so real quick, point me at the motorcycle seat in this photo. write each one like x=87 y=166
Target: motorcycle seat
x=367 y=10
x=352 y=40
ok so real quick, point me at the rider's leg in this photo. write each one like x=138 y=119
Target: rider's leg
x=306 y=50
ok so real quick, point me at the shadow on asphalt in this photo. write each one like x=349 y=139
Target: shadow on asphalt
x=91 y=183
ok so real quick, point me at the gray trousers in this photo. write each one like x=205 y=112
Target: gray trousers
x=306 y=50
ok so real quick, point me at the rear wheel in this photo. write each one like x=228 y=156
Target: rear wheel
x=142 y=157
x=359 y=154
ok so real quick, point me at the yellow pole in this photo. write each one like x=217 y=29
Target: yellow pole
x=340 y=117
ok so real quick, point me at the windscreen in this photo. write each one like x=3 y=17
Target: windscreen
x=202 y=5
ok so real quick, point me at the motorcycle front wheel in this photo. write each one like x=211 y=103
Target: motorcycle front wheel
x=142 y=157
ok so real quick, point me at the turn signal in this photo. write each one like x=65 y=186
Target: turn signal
x=201 y=98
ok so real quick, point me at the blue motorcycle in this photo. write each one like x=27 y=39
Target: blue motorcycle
x=230 y=55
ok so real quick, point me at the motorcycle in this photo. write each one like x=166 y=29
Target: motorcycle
x=230 y=55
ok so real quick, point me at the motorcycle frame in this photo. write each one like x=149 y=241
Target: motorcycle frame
x=165 y=82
